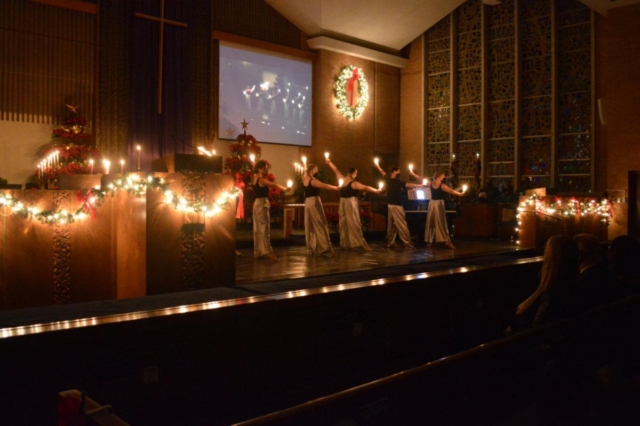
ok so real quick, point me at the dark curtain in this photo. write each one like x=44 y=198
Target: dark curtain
x=168 y=132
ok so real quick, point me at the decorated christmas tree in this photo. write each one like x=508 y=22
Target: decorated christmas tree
x=245 y=151
x=71 y=150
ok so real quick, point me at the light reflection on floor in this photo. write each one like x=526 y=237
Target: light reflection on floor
x=294 y=262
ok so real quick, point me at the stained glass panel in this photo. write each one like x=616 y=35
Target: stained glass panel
x=440 y=44
x=500 y=169
x=469 y=50
x=438 y=153
x=575 y=71
x=466 y=156
x=469 y=86
x=469 y=16
x=574 y=37
x=439 y=62
x=440 y=30
x=570 y=5
x=502 y=50
x=575 y=113
x=502 y=79
x=500 y=150
x=574 y=146
x=438 y=125
x=536 y=76
x=469 y=122
x=501 y=123
x=574 y=183
x=574 y=17
x=532 y=8
x=536 y=37
x=439 y=90
x=501 y=14
x=574 y=167
x=536 y=116
x=503 y=31
x=536 y=156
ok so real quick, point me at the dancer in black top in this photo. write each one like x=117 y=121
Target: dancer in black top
x=349 y=210
x=316 y=230
x=396 y=219
x=261 y=219
x=436 y=227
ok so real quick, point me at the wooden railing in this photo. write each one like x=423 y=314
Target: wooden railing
x=548 y=367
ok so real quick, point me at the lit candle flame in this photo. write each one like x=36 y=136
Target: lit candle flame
x=252 y=157
x=289 y=183
x=376 y=160
x=425 y=181
x=106 y=163
x=380 y=184
x=411 y=167
x=304 y=161
x=326 y=155
x=464 y=188
x=340 y=182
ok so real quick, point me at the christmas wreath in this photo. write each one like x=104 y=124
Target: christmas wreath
x=345 y=92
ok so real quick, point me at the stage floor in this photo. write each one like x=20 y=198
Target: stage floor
x=294 y=263
x=259 y=277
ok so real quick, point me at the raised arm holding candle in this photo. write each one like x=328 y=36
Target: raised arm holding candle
x=316 y=229
x=349 y=211
x=436 y=229
x=261 y=219
x=396 y=217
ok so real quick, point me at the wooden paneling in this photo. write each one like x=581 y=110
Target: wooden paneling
x=47 y=59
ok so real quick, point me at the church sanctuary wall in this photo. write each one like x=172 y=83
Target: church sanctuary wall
x=412 y=108
x=618 y=92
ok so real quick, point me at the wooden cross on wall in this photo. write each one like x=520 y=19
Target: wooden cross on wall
x=161 y=21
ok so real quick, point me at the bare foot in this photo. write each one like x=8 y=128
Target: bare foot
x=309 y=252
x=238 y=253
x=271 y=255
x=366 y=247
x=329 y=253
x=448 y=244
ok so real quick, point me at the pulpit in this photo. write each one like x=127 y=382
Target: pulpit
x=137 y=244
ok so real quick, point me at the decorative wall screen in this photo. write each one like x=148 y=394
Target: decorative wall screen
x=513 y=84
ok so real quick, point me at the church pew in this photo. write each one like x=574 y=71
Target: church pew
x=552 y=369
x=228 y=361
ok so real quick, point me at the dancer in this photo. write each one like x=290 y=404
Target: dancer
x=349 y=210
x=316 y=230
x=396 y=219
x=261 y=220
x=436 y=228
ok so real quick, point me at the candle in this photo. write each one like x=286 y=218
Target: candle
x=289 y=183
x=477 y=155
x=380 y=184
x=213 y=152
x=425 y=181
x=139 y=149
x=106 y=164
x=121 y=166
x=464 y=188
x=376 y=161
x=453 y=156
x=410 y=167
x=91 y=163
x=340 y=181
x=326 y=155
x=304 y=161
x=252 y=157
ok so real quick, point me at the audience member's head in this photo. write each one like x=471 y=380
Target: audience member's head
x=624 y=254
x=507 y=189
x=560 y=267
x=589 y=248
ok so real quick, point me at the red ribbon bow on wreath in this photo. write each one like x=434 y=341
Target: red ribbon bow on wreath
x=351 y=85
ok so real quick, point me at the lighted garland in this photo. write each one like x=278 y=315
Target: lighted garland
x=132 y=184
x=560 y=209
x=348 y=76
